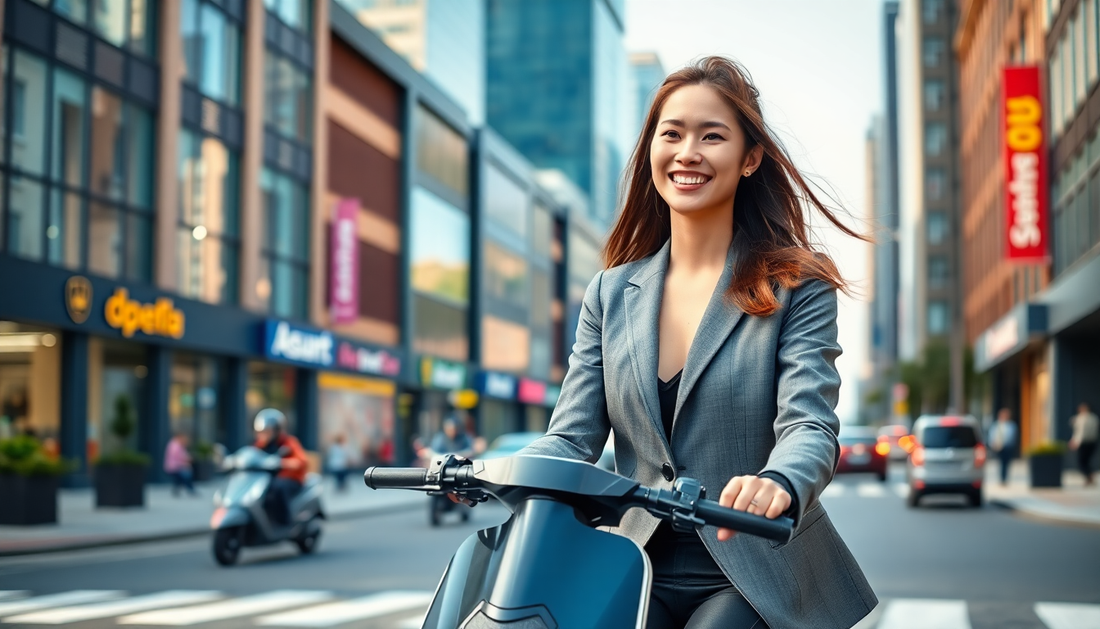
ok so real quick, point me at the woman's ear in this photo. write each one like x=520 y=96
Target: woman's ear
x=754 y=158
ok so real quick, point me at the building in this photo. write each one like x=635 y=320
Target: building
x=1005 y=320
x=648 y=75
x=558 y=90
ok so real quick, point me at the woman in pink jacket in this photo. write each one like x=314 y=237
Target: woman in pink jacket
x=177 y=462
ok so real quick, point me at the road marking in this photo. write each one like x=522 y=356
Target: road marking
x=224 y=610
x=75 y=597
x=833 y=491
x=1068 y=615
x=10 y=594
x=110 y=609
x=913 y=613
x=870 y=490
x=331 y=614
x=901 y=489
x=412 y=622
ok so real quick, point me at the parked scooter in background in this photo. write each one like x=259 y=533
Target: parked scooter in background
x=242 y=516
x=548 y=565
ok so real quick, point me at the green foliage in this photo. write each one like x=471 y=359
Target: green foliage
x=1047 y=448
x=24 y=456
x=122 y=426
x=929 y=379
x=202 y=451
x=124 y=457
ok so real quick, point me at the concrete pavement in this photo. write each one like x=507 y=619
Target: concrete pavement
x=1073 y=503
x=82 y=525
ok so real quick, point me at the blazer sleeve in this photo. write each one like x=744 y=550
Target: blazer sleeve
x=579 y=425
x=806 y=449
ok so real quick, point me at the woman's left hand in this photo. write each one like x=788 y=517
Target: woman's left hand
x=755 y=495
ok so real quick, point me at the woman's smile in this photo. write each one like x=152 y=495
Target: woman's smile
x=688 y=181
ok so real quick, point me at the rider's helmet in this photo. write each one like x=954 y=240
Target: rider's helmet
x=270 y=419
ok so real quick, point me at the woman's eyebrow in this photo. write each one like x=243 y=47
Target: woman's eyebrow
x=710 y=124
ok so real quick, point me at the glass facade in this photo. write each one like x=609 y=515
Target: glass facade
x=441 y=152
x=211 y=50
x=287 y=97
x=506 y=276
x=195 y=398
x=116 y=375
x=209 y=219
x=506 y=203
x=938 y=228
x=284 y=266
x=440 y=275
x=272 y=386
x=297 y=14
x=30 y=380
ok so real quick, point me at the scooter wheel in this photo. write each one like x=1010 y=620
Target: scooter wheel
x=227 y=546
x=308 y=544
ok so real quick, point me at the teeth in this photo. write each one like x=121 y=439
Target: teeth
x=688 y=181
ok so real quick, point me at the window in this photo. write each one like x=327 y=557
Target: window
x=1090 y=40
x=506 y=276
x=294 y=13
x=284 y=273
x=931 y=10
x=440 y=248
x=441 y=152
x=1077 y=32
x=937 y=318
x=1055 y=73
x=124 y=26
x=935 y=139
x=287 y=97
x=542 y=231
x=505 y=201
x=208 y=231
x=938 y=272
x=934 y=49
x=935 y=184
x=211 y=51
x=935 y=95
x=938 y=228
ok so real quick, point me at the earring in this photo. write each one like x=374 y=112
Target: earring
x=748 y=172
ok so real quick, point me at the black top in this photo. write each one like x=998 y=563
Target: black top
x=667 y=391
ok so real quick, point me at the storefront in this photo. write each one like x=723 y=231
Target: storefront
x=426 y=403
x=498 y=411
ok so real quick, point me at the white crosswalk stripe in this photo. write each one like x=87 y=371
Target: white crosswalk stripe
x=7 y=595
x=49 y=601
x=331 y=614
x=412 y=622
x=110 y=609
x=870 y=490
x=1068 y=615
x=908 y=613
x=866 y=490
x=833 y=491
x=901 y=489
x=225 y=610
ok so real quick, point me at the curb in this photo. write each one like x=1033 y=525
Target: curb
x=1045 y=515
x=138 y=538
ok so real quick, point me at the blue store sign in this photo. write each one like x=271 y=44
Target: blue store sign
x=294 y=344
x=497 y=385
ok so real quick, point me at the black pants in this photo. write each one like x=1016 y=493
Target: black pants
x=689 y=589
x=1084 y=458
x=280 y=494
x=1005 y=456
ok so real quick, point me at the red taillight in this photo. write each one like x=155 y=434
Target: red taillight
x=979 y=455
x=907 y=443
x=918 y=456
x=882 y=448
x=949 y=421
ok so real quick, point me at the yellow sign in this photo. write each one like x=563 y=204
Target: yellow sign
x=78 y=298
x=466 y=398
x=368 y=386
x=130 y=315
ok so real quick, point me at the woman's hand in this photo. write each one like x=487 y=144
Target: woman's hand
x=755 y=495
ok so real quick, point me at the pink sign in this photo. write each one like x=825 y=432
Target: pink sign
x=531 y=391
x=344 y=269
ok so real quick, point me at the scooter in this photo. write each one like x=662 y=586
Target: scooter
x=241 y=517
x=548 y=566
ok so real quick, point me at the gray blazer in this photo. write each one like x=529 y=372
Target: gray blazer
x=756 y=394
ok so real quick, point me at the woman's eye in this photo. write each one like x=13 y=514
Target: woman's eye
x=712 y=136
x=671 y=134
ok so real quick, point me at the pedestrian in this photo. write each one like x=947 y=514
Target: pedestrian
x=1086 y=432
x=337 y=461
x=712 y=252
x=177 y=463
x=1002 y=441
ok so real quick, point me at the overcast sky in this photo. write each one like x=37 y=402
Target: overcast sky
x=818 y=68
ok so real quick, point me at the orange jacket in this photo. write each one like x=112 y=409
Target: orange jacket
x=295 y=464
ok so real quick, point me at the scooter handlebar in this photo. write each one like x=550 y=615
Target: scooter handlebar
x=395 y=477
x=714 y=514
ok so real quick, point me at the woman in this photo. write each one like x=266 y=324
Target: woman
x=708 y=347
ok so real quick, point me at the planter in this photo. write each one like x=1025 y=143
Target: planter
x=1046 y=470
x=28 y=499
x=120 y=485
x=204 y=470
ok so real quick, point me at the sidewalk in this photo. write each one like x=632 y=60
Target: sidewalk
x=1073 y=503
x=81 y=525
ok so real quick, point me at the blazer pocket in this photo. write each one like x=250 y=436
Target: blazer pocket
x=809 y=519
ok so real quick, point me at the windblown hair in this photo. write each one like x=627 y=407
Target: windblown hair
x=771 y=237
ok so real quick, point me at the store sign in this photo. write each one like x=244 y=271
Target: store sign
x=442 y=374
x=157 y=319
x=531 y=392
x=361 y=359
x=498 y=385
x=284 y=341
x=1027 y=233
x=78 y=298
x=344 y=263
x=1010 y=335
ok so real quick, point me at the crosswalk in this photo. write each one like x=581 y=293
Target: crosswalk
x=870 y=489
x=401 y=609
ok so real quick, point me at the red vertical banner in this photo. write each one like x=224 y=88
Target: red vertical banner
x=344 y=262
x=1027 y=231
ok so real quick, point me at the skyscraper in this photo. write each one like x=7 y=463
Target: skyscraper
x=648 y=74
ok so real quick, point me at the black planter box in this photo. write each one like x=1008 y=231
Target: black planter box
x=204 y=470
x=120 y=485
x=28 y=499
x=1046 y=470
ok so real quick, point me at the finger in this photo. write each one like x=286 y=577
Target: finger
x=751 y=487
x=780 y=503
x=731 y=491
x=725 y=534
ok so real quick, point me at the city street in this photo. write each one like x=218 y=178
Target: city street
x=943 y=566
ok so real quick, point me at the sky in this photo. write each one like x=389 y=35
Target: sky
x=818 y=67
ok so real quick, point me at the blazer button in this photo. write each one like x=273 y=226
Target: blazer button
x=668 y=472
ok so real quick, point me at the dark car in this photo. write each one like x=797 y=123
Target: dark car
x=861 y=450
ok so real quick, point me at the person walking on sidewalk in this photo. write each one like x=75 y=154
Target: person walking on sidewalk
x=177 y=463
x=337 y=461
x=1086 y=433
x=1002 y=440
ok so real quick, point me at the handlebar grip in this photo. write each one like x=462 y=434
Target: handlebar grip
x=395 y=477
x=714 y=514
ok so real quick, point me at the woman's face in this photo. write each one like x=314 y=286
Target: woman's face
x=698 y=153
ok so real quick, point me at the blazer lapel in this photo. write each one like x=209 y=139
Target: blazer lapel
x=719 y=320
x=643 y=306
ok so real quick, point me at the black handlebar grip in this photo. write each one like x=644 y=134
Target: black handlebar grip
x=395 y=477
x=714 y=514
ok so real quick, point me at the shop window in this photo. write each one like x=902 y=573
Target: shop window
x=117 y=370
x=195 y=398
x=30 y=377
x=272 y=386
x=361 y=413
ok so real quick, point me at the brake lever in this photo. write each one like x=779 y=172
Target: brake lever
x=678 y=506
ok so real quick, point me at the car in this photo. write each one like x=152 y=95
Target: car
x=948 y=457
x=897 y=435
x=861 y=450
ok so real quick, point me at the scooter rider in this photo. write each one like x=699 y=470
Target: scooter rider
x=271 y=437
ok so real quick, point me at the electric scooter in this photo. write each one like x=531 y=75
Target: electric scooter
x=241 y=517
x=548 y=566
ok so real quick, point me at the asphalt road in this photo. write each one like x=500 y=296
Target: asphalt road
x=986 y=562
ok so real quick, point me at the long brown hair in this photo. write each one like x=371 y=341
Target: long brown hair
x=771 y=237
